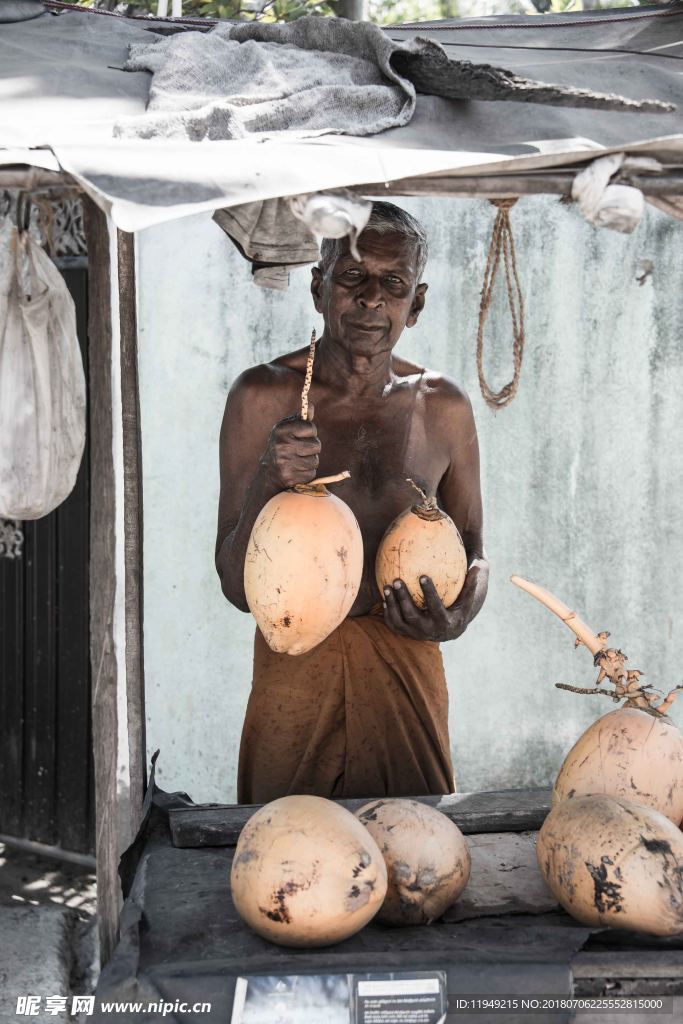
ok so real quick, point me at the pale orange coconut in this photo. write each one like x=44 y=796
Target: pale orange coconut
x=422 y=541
x=306 y=872
x=613 y=863
x=304 y=560
x=635 y=752
x=427 y=858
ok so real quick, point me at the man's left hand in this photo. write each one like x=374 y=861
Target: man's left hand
x=435 y=621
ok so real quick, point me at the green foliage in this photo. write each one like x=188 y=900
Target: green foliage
x=382 y=12
x=228 y=10
x=243 y=10
x=388 y=12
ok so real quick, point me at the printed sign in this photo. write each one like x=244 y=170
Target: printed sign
x=400 y=998
x=388 y=997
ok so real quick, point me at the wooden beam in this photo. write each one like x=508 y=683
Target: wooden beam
x=35 y=178
x=454 y=186
x=102 y=575
x=133 y=523
x=491 y=186
x=507 y=810
x=629 y=963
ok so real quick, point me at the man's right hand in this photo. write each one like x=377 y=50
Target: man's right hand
x=292 y=453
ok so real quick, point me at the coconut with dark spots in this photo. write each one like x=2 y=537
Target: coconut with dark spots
x=427 y=858
x=627 y=753
x=306 y=872
x=613 y=863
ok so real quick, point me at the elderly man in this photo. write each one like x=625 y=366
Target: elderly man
x=365 y=713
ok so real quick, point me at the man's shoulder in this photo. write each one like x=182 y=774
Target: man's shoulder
x=435 y=386
x=273 y=376
x=444 y=388
x=443 y=394
x=448 y=410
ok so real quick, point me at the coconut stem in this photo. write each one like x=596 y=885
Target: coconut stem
x=316 y=488
x=335 y=479
x=584 y=633
x=638 y=698
x=428 y=508
x=668 y=700
x=583 y=689
x=418 y=489
x=309 y=377
x=610 y=661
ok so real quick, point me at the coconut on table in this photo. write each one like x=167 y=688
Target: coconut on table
x=182 y=938
x=613 y=864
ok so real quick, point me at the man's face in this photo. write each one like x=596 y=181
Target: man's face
x=366 y=305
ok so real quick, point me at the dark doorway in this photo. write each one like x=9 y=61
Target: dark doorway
x=46 y=772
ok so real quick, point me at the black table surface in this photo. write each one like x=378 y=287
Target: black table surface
x=181 y=940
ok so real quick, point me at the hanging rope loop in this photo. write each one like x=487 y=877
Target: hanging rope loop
x=502 y=242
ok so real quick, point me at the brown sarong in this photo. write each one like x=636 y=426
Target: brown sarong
x=363 y=714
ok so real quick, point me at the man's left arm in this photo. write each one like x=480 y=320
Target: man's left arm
x=459 y=494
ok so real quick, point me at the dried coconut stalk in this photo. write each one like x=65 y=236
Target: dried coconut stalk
x=609 y=661
x=308 y=378
x=583 y=632
x=428 y=508
x=315 y=487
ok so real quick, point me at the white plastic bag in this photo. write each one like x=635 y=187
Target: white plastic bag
x=616 y=206
x=42 y=383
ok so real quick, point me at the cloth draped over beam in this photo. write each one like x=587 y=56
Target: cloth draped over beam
x=271 y=238
x=278 y=235
x=363 y=714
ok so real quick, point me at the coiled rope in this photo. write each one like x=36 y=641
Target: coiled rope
x=502 y=242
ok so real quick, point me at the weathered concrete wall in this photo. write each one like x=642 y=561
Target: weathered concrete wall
x=582 y=476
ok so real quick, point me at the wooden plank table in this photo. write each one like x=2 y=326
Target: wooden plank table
x=506 y=810
x=181 y=938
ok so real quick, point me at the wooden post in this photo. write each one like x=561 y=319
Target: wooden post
x=133 y=526
x=115 y=560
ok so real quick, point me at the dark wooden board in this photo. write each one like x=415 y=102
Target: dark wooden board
x=629 y=963
x=40 y=702
x=12 y=653
x=73 y=757
x=506 y=810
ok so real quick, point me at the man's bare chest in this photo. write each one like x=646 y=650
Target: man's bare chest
x=380 y=454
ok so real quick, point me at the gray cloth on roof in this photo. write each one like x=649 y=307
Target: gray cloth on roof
x=316 y=75
x=311 y=74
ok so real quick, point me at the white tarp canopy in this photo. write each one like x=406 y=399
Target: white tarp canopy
x=63 y=89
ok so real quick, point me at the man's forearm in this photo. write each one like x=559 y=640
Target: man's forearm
x=479 y=565
x=230 y=558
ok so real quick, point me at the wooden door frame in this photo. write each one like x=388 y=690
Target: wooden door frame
x=116 y=576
